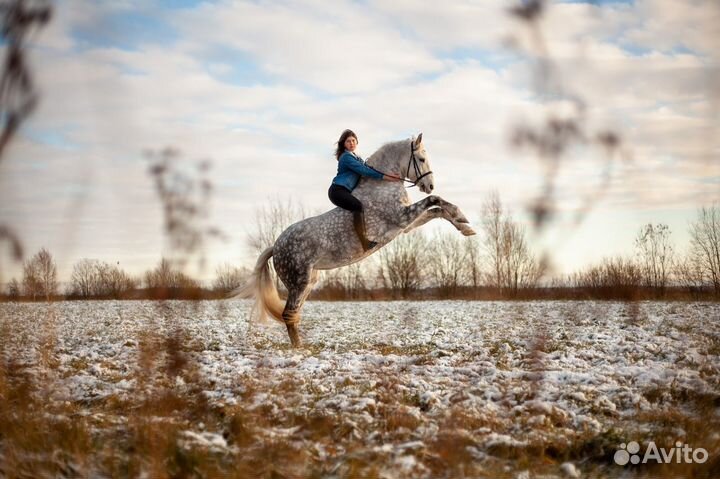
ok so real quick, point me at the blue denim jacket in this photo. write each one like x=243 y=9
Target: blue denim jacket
x=350 y=168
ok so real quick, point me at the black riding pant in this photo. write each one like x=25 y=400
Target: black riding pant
x=341 y=196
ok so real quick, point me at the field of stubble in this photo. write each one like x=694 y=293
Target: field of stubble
x=388 y=389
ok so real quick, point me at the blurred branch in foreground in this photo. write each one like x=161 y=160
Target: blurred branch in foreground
x=185 y=197
x=561 y=131
x=18 y=96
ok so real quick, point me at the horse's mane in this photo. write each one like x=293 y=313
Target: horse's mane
x=392 y=144
x=380 y=152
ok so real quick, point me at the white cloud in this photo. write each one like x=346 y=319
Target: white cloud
x=337 y=47
x=670 y=24
x=378 y=68
x=446 y=26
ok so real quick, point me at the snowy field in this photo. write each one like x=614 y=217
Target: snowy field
x=388 y=389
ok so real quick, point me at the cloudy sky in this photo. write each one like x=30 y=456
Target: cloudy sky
x=263 y=90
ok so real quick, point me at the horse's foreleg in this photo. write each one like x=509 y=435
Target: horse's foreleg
x=435 y=207
x=424 y=217
x=435 y=213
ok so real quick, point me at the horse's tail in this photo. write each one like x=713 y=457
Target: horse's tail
x=261 y=287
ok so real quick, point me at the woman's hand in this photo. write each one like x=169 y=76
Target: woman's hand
x=391 y=178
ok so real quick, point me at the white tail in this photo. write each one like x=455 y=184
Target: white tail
x=261 y=287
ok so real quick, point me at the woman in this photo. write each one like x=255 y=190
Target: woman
x=350 y=168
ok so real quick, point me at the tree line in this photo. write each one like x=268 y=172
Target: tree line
x=497 y=264
x=500 y=264
x=95 y=279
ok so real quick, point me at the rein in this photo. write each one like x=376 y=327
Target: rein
x=414 y=162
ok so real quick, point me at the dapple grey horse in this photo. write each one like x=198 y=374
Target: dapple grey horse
x=328 y=241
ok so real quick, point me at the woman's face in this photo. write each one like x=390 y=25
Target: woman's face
x=350 y=143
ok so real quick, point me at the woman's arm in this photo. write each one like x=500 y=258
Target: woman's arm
x=350 y=162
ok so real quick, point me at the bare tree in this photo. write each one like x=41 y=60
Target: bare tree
x=113 y=282
x=492 y=225
x=402 y=262
x=655 y=254
x=447 y=265
x=521 y=268
x=48 y=272
x=613 y=277
x=349 y=281
x=688 y=274
x=93 y=278
x=705 y=244
x=271 y=220
x=13 y=289
x=84 y=278
x=229 y=277
x=473 y=258
x=166 y=276
x=40 y=275
x=512 y=264
x=31 y=280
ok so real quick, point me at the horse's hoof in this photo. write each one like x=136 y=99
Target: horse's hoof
x=294 y=335
x=468 y=231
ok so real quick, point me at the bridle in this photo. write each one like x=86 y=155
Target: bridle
x=414 y=162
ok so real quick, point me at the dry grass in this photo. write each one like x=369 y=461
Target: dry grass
x=273 y=430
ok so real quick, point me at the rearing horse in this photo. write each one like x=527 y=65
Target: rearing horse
x=328 y=241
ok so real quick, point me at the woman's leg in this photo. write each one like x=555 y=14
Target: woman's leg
x=341 y=196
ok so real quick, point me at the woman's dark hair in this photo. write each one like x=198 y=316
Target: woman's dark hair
x=341 y=142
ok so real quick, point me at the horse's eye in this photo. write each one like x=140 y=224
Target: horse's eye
x=422 y=160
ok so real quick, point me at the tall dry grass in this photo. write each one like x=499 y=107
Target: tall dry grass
x=286 y=427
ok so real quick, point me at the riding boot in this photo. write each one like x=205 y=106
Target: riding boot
x=359 y=224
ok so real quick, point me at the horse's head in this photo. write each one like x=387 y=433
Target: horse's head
x=418 y=169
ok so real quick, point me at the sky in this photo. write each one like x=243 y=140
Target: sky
x=262 y=90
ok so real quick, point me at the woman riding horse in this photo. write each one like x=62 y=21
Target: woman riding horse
x=325 y=242
x=350 y=168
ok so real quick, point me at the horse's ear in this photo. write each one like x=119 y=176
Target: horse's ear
x=418 y=140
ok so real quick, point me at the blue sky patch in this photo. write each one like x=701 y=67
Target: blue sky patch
x=494 y=59
x=126 y=31
x=235 y=67
x=56 y=138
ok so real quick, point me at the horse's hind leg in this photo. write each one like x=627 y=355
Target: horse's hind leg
x=297 y=294
x=291 y=316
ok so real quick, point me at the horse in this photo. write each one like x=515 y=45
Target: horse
x=329 y=241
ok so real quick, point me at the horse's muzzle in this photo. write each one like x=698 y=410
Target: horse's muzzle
x=426 y=186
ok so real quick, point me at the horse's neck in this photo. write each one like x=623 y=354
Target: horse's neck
x=389 y=158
